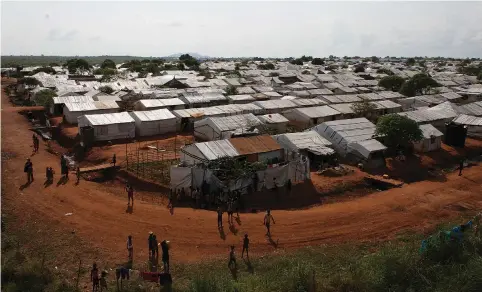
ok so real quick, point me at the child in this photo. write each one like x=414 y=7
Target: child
x=130 y=247
x=245 y=246
x=220 y=218
x=103 y=281
x=94 y=277
x=232 y=259
x=267 y=222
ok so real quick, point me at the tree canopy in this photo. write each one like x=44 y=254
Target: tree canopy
x=398 y=130
x=375 y=59
x=297 y=62
x=385 y=71
x=410 y=61
x=77 y=66
x=108 y=63
x=29 y=81
x=317 y=61
x=364 y=109
x=359 y=69
x=231 y=90
x=106 y=89
x=189 y=61
x=44 y=97
x=419 y=84
x=393 y=83
x=48 y=70
x=267 y=66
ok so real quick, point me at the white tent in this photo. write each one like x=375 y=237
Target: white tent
x=215 y=128
x=352 y=136
x=156 y=122
x=152 y=104
x=73 y=110
x=275 y=121
x=109 y=126
x=431 y=141
x=310 y=141
x=310 y=116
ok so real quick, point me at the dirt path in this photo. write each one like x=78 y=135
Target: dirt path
x=101 y=222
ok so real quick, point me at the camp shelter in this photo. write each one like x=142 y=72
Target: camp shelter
x=155 y=122
x=153 y=104
x=73 y=110
x=276 y=122
x=310 y=116
x=431 y=141
x=216 y=128
x=109 y=126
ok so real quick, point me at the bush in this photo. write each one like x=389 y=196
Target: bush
x=44 y=97
x=106 y=89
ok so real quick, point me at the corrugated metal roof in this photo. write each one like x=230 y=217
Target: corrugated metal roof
x=341 y=98
x=109 y=119
x=318 y=111
x=235 y=122
x=468 y=120
x=255 y=144
x=213 y=150
x=366 y=147
x=388 y=104
x=240 y=97
x=275 y=104
x=428 y=131
x=151 y=103
x=345 y=108
x=155 y=115
x=72 y=99
x=273 y=119
x=308 y=102
x=474 y=108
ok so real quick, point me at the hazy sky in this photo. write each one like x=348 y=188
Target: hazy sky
x=224 y=29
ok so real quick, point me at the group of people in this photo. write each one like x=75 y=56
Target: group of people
x=153 y=246
x=98 y=284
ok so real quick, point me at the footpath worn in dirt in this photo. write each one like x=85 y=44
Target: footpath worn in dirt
x=101 y=221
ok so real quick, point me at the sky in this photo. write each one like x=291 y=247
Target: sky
x=242 y=29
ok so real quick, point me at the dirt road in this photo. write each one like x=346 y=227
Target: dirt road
x=101 y=222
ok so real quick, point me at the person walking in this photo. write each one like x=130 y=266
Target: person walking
x=220 y=218
x=78 y=174
x=94 y=277
x=245 y=246
x=130 y=248
x=232 y=259
x=28 y=169
x=130 y=194
x=461 y=166
x=114 y=159
x=267 y=222
x=155 y=246
x=165 y=255
x=230 y=212
x=103 y=281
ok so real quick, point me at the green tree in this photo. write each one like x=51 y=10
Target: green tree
x=153 y=68
x=398 y=130
x=231 y=90
x=189 y=61
x=419 y=84
x=317 y=61
x=297 y=62
x=29 y=81
x=273 y=74
x=48 y=70
x=375 y=59
x=364 y=109
x=106 y=89
x=359 y=69
x=480 y=76
x=267 y=66
x=385 y=71
x=44 y=97
x=77 y=66
x=142 y=74
x=331 y=67
x=306 y=58
x=410 y=61
x=393 y=83
x=421 y=63
x=108 y=63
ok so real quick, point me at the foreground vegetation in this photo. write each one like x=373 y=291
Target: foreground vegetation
x=392 y=266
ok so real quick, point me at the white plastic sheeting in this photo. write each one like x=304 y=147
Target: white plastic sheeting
x=156 y=122
x=110 y=126
x=215 y=128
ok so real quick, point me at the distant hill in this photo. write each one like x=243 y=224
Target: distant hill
x=195 y=55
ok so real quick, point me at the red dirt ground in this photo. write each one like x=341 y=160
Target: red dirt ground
x=100 y=223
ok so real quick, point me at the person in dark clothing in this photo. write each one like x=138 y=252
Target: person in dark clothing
x=220 y=218
x=130 y=248
x=165 y=255
x=150 y=242
x=64 y=168
x=28 y=169
x=461 y=167
x=171 y=195
x=114 y=159
x=130 y=194
x=230 y=212
x=94 y=277
x=78 y=175
x=245 y=246
x=155 y=246
x=232 y=259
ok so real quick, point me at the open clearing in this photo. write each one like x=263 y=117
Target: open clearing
x=100 y=223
